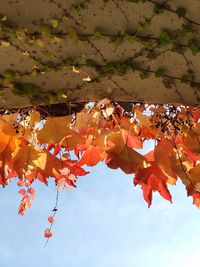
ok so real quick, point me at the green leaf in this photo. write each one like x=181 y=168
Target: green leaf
x=26 y=89
x=48 y=99
x=65 y=18
x=98 y=35
x=46 y=31
x=140 y=27
x=164 y=38
x=181 y=11
x=117 y=41
x=159 y=73
x=185 y=29
x=158 y=9
x=185 y=78
x=75 y=9
x=130 y=38
x=62 y=95
x=113 y=67
x=193 y=46
x=90 y=63
x=134 y=66
x=11 y=75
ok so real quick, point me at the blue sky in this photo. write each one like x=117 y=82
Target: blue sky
x=104 y=222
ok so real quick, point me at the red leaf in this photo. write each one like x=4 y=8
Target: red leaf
x=119 y=155
x=22 y=192
x=78 y=171
x=193 y=157
x=131 y=140
x=92 y=156
x=194 y=194
x=31 y=191
x=47 y=233
x=51 y=219
x=152 y=179
x=20 y=183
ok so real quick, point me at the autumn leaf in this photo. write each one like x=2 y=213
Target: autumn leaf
x=8 y=144
x=51 y=219
x=32 y=191
x=47 y=233
x=193 y=157
x=152 y=179
x=143 y=119
x=71 y=139
x=22 y=192
x=119 y=155
x=194 y=176
x=54 y=130
x=92 y=156
x=131 y=139
x=165 y=156
x=190 y=139
x=191 y=191
x=28 y=161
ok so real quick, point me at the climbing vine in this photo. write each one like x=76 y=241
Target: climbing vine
x=48 y=135
x=37 y=146
x=42 y=45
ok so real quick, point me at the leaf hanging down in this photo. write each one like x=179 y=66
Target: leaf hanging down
x=152 y=179
x=28 y=160
x=165 y=157
x=92 y=156
x=119 y=155
x=54 y=130
x=194 y=175
x=9 y=142
x=71 y=139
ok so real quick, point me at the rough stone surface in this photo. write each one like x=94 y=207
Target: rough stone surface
x=79 y=42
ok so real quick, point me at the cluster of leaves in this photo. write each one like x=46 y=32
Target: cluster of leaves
x=33 y=148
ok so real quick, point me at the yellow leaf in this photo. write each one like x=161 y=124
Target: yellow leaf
x=5 y=43
x=40 y=42
x=194 y=175
x=86 y=79
x=72 y=139
x=55 y=129
x=121 y=156
x=73 y=35
x=54 y=23
x=28 y=161
x=26 y=53
x=144 y=120
x=165 y=157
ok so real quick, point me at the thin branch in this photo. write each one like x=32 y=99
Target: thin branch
x=123 y=13
x=55 y=209
x=164 y=6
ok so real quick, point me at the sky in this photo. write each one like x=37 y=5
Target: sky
x=104 y=222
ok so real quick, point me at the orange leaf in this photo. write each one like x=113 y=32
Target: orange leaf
x=131 y=139
x=22 y=192
x=92 y=156
x=47 y=233
x=51 y=219
x=71 y=139
x=152 y=179
x=119 y=155
x=54 y=130
x=165 y=157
